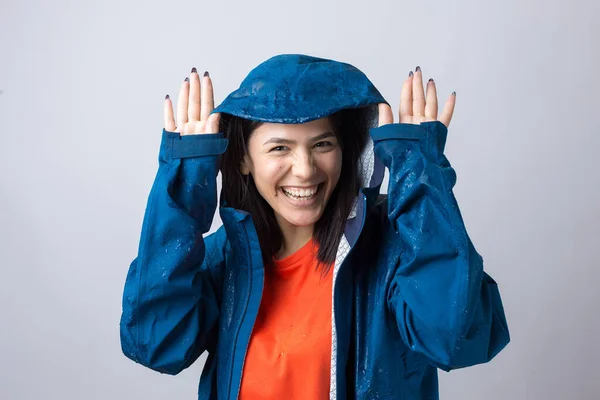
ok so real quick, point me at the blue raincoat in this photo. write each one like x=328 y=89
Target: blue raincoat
x=409 y=294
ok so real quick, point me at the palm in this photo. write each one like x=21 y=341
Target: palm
x=416 y=105
x=194 y=107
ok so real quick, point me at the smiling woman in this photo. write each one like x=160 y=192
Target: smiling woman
x=316 y=286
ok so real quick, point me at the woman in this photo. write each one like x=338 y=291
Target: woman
x=315 y=286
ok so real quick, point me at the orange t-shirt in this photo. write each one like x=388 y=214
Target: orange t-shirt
x=289 y=355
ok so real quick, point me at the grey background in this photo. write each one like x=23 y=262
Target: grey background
x=81 y=115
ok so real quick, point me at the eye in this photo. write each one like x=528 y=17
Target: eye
x=278 y=148
x=324 y=144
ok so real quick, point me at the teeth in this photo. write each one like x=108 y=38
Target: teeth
x=300 y=193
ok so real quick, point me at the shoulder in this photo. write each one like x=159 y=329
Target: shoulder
x=381 y=201
x=217 y=247
x=378 y=210
x=215 y=257
x=217 y=239
x=376 y=222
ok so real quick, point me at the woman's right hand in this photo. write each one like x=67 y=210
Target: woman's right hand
x=194 y=107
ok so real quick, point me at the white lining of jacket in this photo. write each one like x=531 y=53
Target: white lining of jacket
x=366 y=167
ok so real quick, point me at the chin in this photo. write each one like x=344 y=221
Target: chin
x=301 y=220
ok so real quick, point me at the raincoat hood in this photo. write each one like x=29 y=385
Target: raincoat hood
x=298 y=88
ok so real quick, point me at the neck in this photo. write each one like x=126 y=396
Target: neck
x=294 y=237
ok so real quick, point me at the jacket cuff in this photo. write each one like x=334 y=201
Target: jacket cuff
x=174 y=146
x=431 y=135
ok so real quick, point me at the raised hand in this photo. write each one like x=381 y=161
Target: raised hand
x=194 y=107
x=416 y=106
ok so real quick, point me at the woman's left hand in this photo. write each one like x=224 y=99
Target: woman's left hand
x=415 y=105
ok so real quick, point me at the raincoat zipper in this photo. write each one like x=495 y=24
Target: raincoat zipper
x=251 y=331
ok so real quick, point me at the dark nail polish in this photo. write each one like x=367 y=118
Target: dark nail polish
x=418 y=68
x=167 y=97
x=206 y=73
x=187 y=79
x=453 y=93
x=430 y=79
x=194 y=70
x=410 y=73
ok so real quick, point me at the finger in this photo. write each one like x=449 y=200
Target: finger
x=431 y=105
x=406 y=100
x=194 y=99
x=208 y=100
x=182 y=104
x=212 y=124
x=386 y=116
x=168 y=113
x=418 y=93
x=446 y=115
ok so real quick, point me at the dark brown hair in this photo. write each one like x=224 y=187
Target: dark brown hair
x=351 y=127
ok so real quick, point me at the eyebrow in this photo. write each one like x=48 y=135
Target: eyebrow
x=288 y=141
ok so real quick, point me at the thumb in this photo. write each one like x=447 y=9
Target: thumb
x=212 y=124
x=386 y=116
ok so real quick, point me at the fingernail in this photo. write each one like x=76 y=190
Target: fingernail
x=194 y=70
x=167 y=97
x=453 y=93
x=206 y=73
x=187 y=79
x=418 y=68
x=430 y=79
x=410 y=73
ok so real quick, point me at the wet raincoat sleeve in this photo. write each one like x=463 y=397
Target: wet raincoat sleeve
x=446 y=307
x=170 y=300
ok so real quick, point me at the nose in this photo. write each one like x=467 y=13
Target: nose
x=304 y=166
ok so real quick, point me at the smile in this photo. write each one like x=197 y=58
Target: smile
x=301 y=193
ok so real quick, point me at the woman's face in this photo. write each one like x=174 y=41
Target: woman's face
x=295 y=168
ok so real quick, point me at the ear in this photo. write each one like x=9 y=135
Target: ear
x=245 y=165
